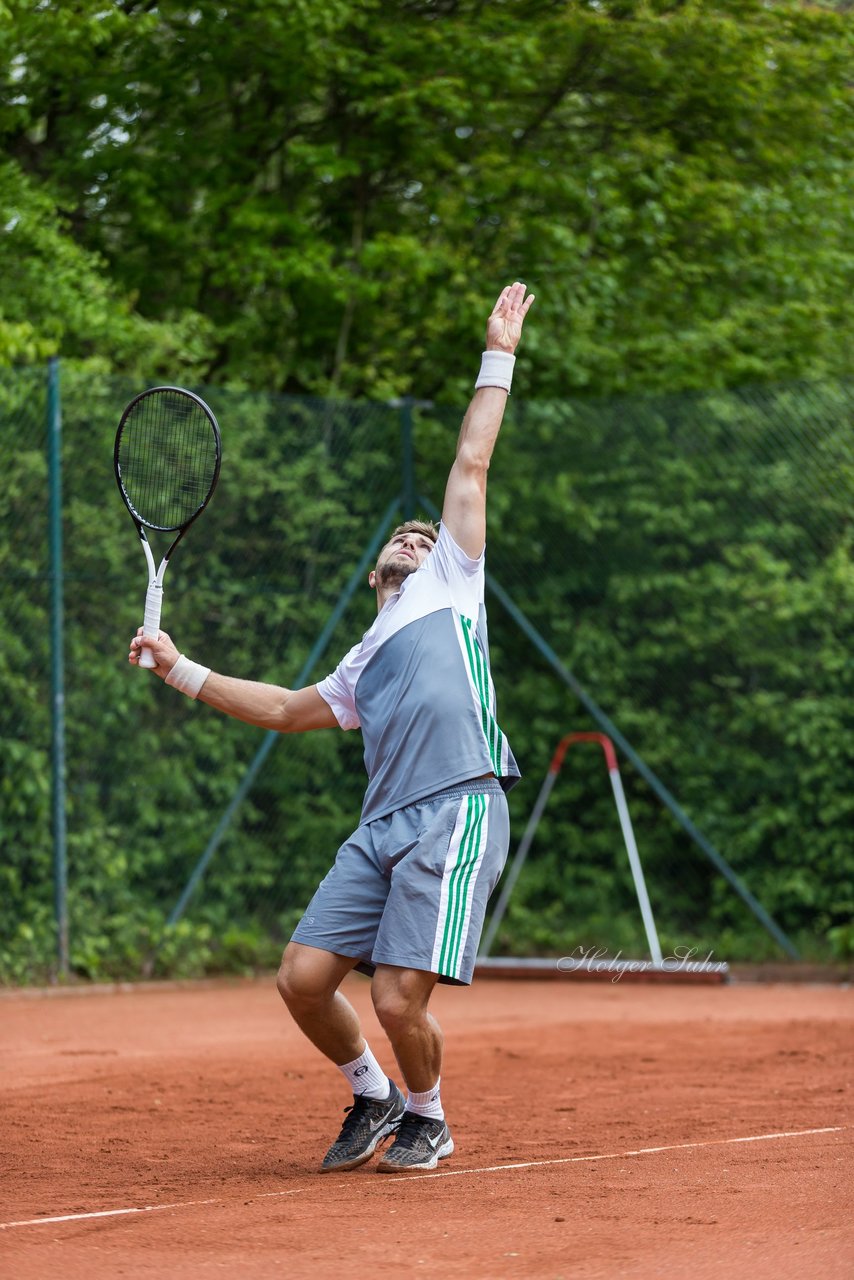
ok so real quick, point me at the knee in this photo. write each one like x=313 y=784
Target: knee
x=398 y=1005
x=394 y=1012
x=300 y=983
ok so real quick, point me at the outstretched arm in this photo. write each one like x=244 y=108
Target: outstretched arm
x=464 y=510
x=268 y=706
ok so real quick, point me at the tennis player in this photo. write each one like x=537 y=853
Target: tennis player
x=406 y=896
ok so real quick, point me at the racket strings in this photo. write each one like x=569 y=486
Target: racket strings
x=168 y=458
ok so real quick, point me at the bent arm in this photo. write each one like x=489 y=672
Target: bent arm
x=269 y=706
x=464 y=509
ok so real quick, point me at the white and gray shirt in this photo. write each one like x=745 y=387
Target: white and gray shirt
x=419 y=686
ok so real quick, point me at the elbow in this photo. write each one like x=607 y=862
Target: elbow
x=284 y=718
x=285 y=721
x=473 y=462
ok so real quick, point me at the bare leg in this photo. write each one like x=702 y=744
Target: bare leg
x=308 y=983
x=400 y=998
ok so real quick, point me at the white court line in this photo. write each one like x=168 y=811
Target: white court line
x=417 y=1177
x=146 y=1208
x=615 y=1155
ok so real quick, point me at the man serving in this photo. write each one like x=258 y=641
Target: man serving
x=406 y=896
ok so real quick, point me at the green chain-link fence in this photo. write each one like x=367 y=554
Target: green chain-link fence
x=684 y=562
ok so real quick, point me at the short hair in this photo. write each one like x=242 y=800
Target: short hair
x=425 y=527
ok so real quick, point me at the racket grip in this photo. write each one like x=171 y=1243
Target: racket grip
x=151 y=621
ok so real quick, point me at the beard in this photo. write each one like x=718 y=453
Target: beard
x=393 y=572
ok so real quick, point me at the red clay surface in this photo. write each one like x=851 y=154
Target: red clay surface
x=208 y=1100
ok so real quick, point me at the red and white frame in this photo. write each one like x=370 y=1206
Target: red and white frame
x=521 y=854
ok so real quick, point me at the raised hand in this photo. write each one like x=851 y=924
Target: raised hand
x=504 y=326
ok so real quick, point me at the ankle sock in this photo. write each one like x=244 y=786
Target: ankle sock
x=428 y=1103
x=365 y=1076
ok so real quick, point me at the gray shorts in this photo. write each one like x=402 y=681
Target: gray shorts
x=411 y=889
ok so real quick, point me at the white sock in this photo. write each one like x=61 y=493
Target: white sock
x=365 y=1076
x=428 y=1103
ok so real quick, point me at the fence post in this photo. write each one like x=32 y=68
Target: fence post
x=407 y=451
x=407 y=459
x=57 y=665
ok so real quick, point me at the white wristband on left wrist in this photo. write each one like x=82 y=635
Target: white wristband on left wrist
x=496 y=370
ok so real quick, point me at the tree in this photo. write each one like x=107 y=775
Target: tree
x=334 y=191
x=59 y=296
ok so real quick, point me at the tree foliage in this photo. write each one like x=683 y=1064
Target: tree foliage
x=688 y=557
x=320 y=198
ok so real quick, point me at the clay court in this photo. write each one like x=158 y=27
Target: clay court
x=603 y=1129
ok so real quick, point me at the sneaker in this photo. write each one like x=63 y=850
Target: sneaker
x=420 y=1144
x=369 y=1120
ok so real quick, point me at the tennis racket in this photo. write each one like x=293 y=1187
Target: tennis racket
x=167 y=458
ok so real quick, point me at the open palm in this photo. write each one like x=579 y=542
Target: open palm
x=504 y=326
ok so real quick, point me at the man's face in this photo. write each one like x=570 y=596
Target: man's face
x=401 y=555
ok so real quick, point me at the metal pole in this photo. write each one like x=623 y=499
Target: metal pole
x=407 y=459
x=57 y=666
x=407 y=451
x=637 y=869
x=517 y=864
x=271 y=737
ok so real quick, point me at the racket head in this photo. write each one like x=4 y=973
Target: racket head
x=167 y=457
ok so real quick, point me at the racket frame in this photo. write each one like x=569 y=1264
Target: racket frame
x=154 y=592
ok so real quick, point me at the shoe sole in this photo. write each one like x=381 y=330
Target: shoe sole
x=344 y=1165
x=442 y=1153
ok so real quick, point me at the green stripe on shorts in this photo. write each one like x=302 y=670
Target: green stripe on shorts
x=460 y=886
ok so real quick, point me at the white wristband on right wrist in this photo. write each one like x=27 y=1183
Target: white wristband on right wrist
x=188 y=677
x=496 y=370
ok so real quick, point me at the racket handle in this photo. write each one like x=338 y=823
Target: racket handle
x=151 y=622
